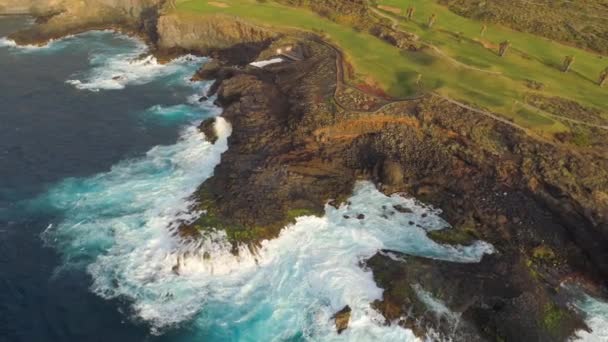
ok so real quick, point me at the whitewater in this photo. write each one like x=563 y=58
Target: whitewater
x=120 y=226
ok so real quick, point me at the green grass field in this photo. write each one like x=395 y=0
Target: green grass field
x=530 y=58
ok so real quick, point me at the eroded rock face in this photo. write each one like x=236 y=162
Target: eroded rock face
x=184 y=31
x=63 y=17
x=274 y=169
x=207 y=127
x=30 y=6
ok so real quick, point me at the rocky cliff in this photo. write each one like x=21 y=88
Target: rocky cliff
x=191 y=32
x=131 y=8
x=57 y=18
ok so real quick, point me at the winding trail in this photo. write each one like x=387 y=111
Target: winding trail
x=579 y=122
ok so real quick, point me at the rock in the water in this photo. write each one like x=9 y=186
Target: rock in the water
x=402 y=209
x=208 y=128
x=342 y=319
x=203 y=99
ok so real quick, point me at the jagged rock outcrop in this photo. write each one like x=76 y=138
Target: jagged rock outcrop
x=495 y=300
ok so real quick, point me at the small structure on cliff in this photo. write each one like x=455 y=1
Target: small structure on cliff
x=291 y=52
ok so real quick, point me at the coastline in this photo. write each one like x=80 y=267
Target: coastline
x=300 y=142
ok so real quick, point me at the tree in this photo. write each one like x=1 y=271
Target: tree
x=504 y=46
x=484 y=28
x=568 y=61
x=418 y=79
x=432 y=20
x=603 y=77
x=410 y=13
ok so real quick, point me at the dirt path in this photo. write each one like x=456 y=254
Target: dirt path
x=559 y=117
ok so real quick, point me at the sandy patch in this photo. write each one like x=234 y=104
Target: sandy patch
x=390 y=9
x=218 y=4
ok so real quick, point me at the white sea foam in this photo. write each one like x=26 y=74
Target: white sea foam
x=5 y=42
x=51 y=44
x=112 y=71
x=596 y=312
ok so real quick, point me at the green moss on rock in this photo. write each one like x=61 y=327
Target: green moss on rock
x=454 y=236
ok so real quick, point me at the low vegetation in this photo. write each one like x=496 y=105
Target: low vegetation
x=579 y=23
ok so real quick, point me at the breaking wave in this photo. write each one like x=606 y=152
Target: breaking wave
x=53 y=44
x=114 y=69
x=596 y=312
x=5 y=42
x=117 y=71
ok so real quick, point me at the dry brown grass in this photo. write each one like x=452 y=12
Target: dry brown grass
x=390 y=9
x=351 y=129
x=218 y=4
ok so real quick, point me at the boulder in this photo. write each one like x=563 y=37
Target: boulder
x=342 y=318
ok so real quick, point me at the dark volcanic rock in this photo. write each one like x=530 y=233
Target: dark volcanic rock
x=274 y=168
x=499 y=299
x=208 y=128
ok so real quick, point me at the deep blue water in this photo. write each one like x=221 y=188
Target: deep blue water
x=49 y=131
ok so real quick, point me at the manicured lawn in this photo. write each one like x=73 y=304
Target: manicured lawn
x=530 y=57
x=395 y=71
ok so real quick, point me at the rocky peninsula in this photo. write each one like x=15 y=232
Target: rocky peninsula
x=302 y=136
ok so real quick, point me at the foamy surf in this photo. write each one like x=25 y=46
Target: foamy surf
x=51 y=44
x=291 y=287
x=115 y=67
x=596 y=312
x=5 y=42
x=114 y=71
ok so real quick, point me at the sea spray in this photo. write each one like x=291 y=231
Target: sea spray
x=6 y=42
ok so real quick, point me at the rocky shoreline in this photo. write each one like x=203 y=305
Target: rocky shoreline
x=301 y=139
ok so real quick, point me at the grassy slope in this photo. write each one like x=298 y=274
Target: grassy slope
x=395 y=71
